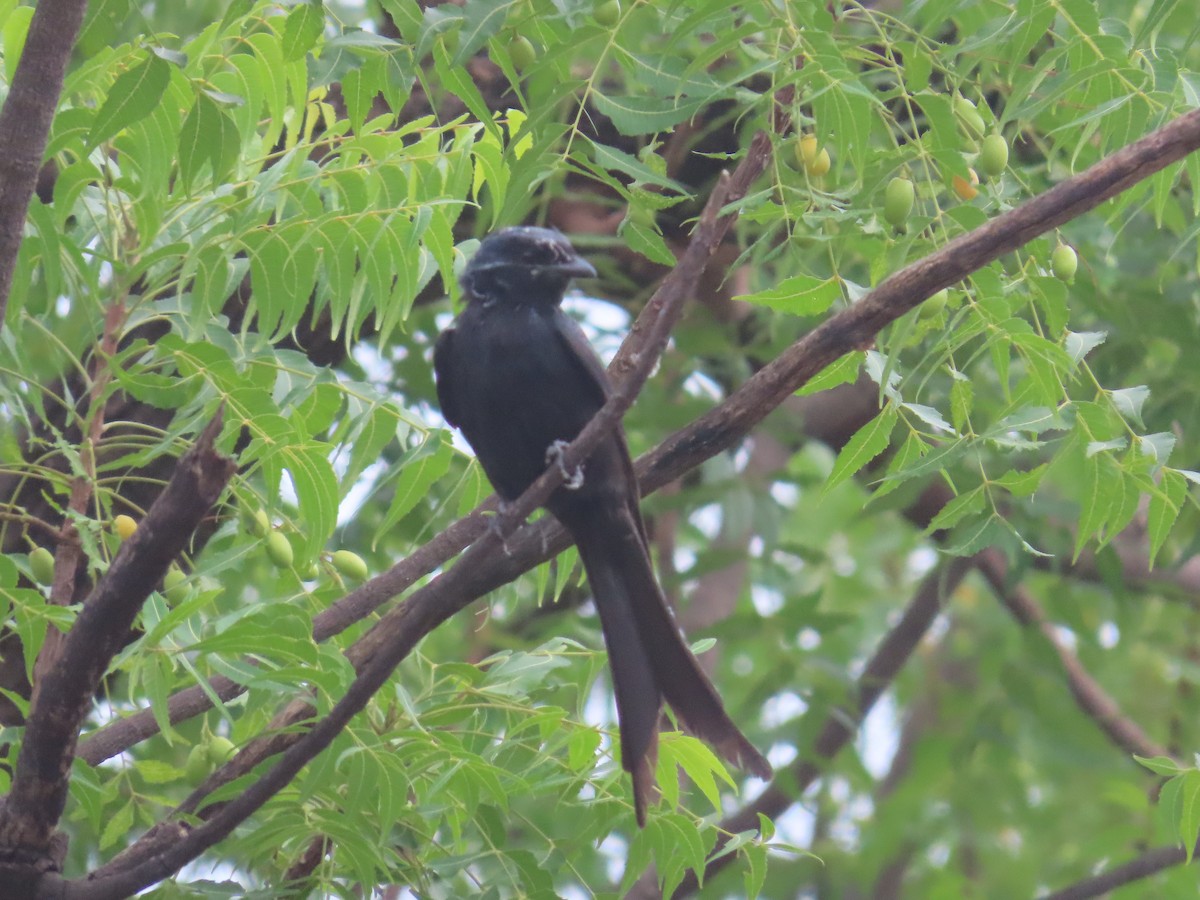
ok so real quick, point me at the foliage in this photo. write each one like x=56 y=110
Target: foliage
x=271 y=202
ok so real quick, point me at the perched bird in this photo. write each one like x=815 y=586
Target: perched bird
x=517 y=376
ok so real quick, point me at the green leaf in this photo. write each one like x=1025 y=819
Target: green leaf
x=424 y=466
x=1129 y=402
x=1161 y=765
x=843 y=371
x=304 y=25
x=316 y=492
x=208 y=137
x=957 y=509
x=1165 y=504
x=118 y=826
x=133 y=96
x=800 y=295
x=646 y=115
x=867 y=443
x=1189 y=812
x=1100 y=492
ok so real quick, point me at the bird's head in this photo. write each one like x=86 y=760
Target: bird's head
x=524 y=265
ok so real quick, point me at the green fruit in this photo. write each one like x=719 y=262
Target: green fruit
x=41 y=563
x=174 y=588
x=969 y=116
x=820 y=165
x=349 y=564
x=522 y=53
x=257 y=523
x=993 y=155
x=221 y=750
x=125 y=526
x=1063 y=262
x=279 y=549
x=608 y=13
x=312 y=573
x=934 y=306
x=898 y=199
x=198 y=767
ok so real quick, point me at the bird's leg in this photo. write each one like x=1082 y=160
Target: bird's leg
x=494 y=522
x=572 y=481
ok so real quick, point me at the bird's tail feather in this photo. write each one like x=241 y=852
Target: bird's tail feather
x=649 y=658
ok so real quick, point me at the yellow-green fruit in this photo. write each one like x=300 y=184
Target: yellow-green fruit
x=41 y=563
x=257 y=523
x=198 y=766
x=933 y=307
x=820 y=164
x=522 y=52
x=349 y=564
x=608 y=13
x=993 y=155
x=1063 y=262
x=969 y=115
x=806 y=150
x=221 y=750
x=173 y=585
x=898 y=199
x=125 y=526
x=279 y=549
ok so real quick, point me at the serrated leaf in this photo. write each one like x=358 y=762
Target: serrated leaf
x=962 y=396
x=1189 y=811
x=868 y=442
x=755 y=855
x=1095 y=447
x=1129 y=402
x=843 y=371
x=1165 y=504
x=304 y=25
x=1080 y=344
x=957 y=509
x=800 y=295
x=929 y=416
x=425 y=466
x=1021 y=484
x=646 y=115
x=118 y=826
x=1100 y=491
x=133 y=96
x=208 y=136
x=1160 y=765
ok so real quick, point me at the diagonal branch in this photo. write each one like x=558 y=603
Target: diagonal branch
x=63 y=694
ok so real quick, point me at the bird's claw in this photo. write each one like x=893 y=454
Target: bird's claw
x=503 y=511
x=572 y=481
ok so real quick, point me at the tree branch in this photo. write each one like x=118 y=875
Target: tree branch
x=25 y=122
x=63 y=695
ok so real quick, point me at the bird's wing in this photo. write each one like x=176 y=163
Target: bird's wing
x=443 y=376
x=589 y=363
x=578 y=347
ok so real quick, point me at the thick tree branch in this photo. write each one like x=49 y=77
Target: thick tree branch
x=25 y=122
x=62 y=696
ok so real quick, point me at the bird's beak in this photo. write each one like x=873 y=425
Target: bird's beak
x=576 y=267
